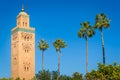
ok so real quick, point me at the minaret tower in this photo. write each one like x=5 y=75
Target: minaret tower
x=23 y=48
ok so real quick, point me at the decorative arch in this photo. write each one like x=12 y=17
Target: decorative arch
x=26 y=47
x=26 y=36
x=26 y=66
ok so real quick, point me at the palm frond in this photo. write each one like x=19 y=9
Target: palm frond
x=102 y=21
x=58 y=44
x=86 y=31
x=43 y=45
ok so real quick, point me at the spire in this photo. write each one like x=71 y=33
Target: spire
x=22 y=8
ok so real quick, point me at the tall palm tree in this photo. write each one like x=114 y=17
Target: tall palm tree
x=43 y=45
x=102 y=22
x=58 y=44
x=85 y=32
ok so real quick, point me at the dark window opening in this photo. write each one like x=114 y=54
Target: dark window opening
x=23 y=23
x=26 y=24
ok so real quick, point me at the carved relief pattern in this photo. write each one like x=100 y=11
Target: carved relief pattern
x=14 y=58
x=15 y=45
x=27 y=47
x=26 y=66
x=26 y=36
x=14 y=37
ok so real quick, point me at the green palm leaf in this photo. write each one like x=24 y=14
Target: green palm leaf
x=86 y=30
x=43 y=45
x=58 y=44
x=102 y=21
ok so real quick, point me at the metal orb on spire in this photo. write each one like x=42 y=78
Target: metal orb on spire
x=22 y=8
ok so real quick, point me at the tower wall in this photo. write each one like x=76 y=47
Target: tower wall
x=23 y=49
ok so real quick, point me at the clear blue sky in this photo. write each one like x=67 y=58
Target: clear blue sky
x=60 y=19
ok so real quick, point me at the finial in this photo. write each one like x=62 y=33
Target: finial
x=22 y=8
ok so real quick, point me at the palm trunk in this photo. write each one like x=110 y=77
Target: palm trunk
x=42 y=61
x=86 y=54
x=58 y=65
x=103 y=49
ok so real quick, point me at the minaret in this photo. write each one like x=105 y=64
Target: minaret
x=23 y=48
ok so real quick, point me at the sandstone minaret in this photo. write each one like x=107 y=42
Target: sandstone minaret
x=22 y=48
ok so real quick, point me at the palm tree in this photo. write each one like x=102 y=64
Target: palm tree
x=85 y=32
x=43 y=45
x=102 y=22
x=58 y=44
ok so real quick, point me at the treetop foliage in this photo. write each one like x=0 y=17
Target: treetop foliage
x=86 y=31
x=43 y=45
x=102 y=21
x=105 y=72
x=58 y=44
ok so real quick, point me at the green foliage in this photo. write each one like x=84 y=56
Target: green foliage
x=65 y=77
x=54 y=75
x=77 y=76
x=105 y=72
x=86 y=30
x=43 y=75
x=4 y=79
x=102 y=21
x=58 y=44
x=43 y=45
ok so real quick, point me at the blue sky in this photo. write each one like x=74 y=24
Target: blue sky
x=61 y=19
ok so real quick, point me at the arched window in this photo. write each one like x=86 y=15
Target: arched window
x=26 y=24
x=24 y=68
x=23 y=23
x=28 y=38
x=25 y=38
x=26 y=51
x=27 y=68
x=14 y=58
